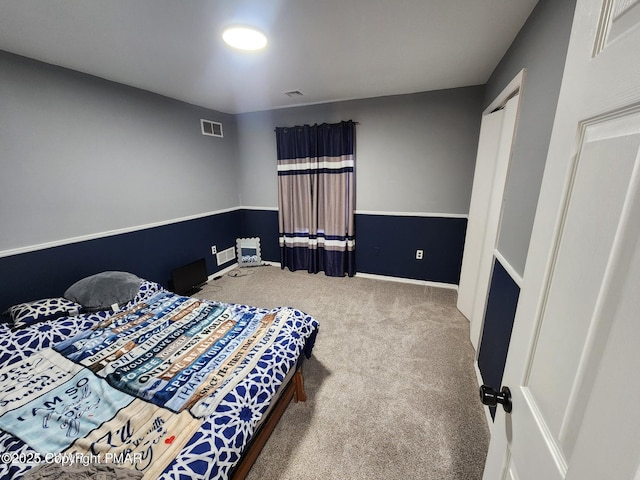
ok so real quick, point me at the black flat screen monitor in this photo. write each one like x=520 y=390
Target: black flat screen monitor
x=190 y=277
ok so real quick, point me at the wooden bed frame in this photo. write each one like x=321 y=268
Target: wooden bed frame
x=294 y=389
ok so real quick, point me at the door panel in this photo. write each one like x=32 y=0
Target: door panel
x=607 y=441
x=625 y=15
x=573 y=359
x=576 y=284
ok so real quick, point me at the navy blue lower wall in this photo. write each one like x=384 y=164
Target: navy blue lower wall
x=498 y=323
x=150 y=253
x=263 y=224
x=385 y=244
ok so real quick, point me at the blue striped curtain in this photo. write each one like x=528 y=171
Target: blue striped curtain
x=316 y=198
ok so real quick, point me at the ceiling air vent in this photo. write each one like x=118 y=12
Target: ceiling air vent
x=294 y=93
x=213 y=129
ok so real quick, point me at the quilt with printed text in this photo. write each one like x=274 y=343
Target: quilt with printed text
x=169 y=386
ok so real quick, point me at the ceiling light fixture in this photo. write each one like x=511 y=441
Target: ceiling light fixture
x=244 y=38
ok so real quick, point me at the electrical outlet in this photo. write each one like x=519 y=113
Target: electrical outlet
x=214 y=250
x=419 y=254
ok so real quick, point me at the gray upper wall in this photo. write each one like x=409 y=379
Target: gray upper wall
x=414 y=153
x=540 y=48
x=82 y=155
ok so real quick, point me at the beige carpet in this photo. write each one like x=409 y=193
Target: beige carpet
x=392 y=392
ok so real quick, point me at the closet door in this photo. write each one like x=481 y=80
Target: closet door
x=488 y=145
x=490 y=177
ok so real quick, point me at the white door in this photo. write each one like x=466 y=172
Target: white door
x=485 y=210
x=483 y=175
x=574 y=360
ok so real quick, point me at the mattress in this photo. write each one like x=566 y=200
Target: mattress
x=167 y=386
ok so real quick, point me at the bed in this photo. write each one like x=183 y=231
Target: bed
x=157 y=384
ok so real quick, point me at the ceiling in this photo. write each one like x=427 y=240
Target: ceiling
x=329 y=50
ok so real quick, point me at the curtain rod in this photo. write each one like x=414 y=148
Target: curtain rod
x=355 y=123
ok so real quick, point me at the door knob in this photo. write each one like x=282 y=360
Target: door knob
x=489 y=396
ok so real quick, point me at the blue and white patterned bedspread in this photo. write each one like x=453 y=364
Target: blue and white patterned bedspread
x=170 y=386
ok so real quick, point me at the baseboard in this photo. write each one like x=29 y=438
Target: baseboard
x=413 y=281
x=392 y=279
x=222 y=272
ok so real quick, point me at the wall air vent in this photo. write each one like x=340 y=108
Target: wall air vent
x=213 y=129
x=226 y=255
